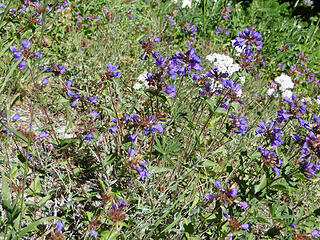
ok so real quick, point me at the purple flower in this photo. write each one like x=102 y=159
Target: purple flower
x=273 y=132
x=293 y=225
x=72 y=94
x=243 y=205
x=134 y=118
x=225 y=215
x=61 y=68
x=132 y=152
x=113 y=119
x=47 y=68
x=113 y=129
x=22 y=64
x=113 y=70
x=134 y=136
x=271 y=158
x=143 y=163
x=15 y=117
x=79 y=19
x=315 y=233
x=13 y=49
x=43 y=134
x=147 y=46
x=60 y=226
x=68 y=83
x=233 y=94
x=221 y=31
x=217 y=184
x=248 y=38
x=245 y=226
x=17 y=55
x=142 y=172
x=88 y=137
x=44 y=82
x=225 y=11
x=241 y=124
x=209 y=196
x=232 y=192
x=308 y=168
x=3 y=7
x=73 y=103
x=183 y=63
x=129 y=14
x=37 y=54
x=158 y=127
x=170 y=90
x=25 y=43
x=93 y=232
x=95 y=115
x=92 y=99
x=121 y=203
x=170 y=20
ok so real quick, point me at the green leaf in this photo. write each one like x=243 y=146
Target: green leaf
x=45 y=199
x=33 y=225
x=262 y=220
x=35 y=186
x=262 y=184
x=172 y=224
x=12 y=69
x=110 y=235
x=5 y=192
x=280 y=187
x=159 y=169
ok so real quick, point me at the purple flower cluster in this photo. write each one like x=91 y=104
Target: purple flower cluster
x=147 y=46
x=222 y=31
x=273 y=132
x=56 y=69
x=310 y=148
x=249 y=38
x=296 y=110
x=227 y=196
x=233 y=92
x=170 y=90
x=225 y=11
x=271 y=158
x=128 y=13
x=183 y=63
x=142 y=171
x=246 y=41
x=189 y=30
x=23 y=53
x=239 y=125
x=151 y=125
x=112 y=71
x=170 y=20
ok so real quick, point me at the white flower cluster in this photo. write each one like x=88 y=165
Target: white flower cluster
x=285 y=85
x=142 y=81
x=224 y=63
x=242 y=79
x=185 y=2
x=271 y=91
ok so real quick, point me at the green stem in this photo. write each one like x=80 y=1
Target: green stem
x=315 y=30
x=204 y=4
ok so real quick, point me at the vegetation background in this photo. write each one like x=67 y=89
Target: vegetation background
x=119 y=120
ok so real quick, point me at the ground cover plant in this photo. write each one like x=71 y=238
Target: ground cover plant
x=159 y=119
